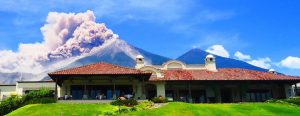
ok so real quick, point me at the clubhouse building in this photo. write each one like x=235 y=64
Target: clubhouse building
x=175 y=80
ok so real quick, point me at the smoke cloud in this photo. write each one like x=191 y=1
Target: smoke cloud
x=65 y=35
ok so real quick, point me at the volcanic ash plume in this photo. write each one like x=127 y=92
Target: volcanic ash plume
x=65 y=35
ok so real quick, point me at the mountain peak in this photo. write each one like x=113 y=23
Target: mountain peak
x=197 y=56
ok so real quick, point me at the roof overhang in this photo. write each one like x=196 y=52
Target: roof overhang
x=60 y=77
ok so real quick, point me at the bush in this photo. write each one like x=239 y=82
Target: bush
x=14 y=102
x=160 y=99
x=45 y=100
x=10 y=104
x=42 y=93
x=294 y=100
x=109 y=113
x=143 y=106
x=126 y=102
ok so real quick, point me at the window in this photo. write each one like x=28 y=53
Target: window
x=258 y=95
x=140 y=59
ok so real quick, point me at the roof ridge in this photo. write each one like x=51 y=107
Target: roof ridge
x=99 y=66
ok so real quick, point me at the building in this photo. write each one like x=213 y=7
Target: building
x=174 y=80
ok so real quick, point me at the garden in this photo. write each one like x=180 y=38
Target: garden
x=41 y=102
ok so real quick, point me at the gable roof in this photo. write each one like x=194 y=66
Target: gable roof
x=223 y=74
x=100 y=68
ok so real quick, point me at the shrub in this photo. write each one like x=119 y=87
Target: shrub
x=159 y=99
x=34 y=97
x=10 y=104
x=144 y=106
x=294 y=100
x=39 y=96
x=126 y=102
x=42 y=93
x=109 y=113
x=124 y=110
x=45 y=100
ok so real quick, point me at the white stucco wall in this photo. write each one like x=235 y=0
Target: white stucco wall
x=6 y=90
x=21 y=87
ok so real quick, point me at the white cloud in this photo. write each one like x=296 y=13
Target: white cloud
x=242 y=56
x=261 y=62
x=218 y=50
x=265 y=63
x=291 y=62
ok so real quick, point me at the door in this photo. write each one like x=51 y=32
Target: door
x=77 y=91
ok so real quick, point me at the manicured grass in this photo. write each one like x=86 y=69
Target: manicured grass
x=57 y=109
x=252 y=109
x=171 y=109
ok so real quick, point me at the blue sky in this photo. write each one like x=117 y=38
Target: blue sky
x=265 y=33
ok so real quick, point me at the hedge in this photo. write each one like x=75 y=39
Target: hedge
x=12 y=103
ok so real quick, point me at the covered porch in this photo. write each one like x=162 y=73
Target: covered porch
x=99 y=81
x=101 y=87
x=221 y=91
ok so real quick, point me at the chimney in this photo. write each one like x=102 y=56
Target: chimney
x=210 y=63
x=139 y=59
x=272 y=71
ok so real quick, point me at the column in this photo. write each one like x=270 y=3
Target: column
x=160 y=89
x=190 y=100
x=296 y=90
x=138 y=94
x=217 y=92
x=288 y=90
x=56 y=96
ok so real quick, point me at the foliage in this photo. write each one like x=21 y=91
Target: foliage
x=44 y=100
x=293 y=100
x=41 y=96
x=109 y=113
x=10 y=104
x=131 y=105
x=145 y=105
x=42 y=93
x=160 y=99
x=14 y=102
x=126 y=102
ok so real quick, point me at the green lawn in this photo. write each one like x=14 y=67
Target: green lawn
x=57 y=109
x=171 y=109
x=252 y=109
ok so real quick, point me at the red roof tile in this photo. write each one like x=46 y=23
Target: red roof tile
x=222 y=74
x=98 y=68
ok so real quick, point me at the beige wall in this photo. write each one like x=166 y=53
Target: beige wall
x=7 y=91
x=22 y=87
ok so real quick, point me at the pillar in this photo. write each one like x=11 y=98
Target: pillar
x=56 y=93
x=138 y=88
x=160 y=89
x=288 y=90
x=296 y=90
x=217 y=93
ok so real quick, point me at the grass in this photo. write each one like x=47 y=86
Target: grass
x=57 y=109
x=252 y=109
x=171 y=109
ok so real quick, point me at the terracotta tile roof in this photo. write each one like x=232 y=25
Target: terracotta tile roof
x=98 y=68
x=222 y=74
